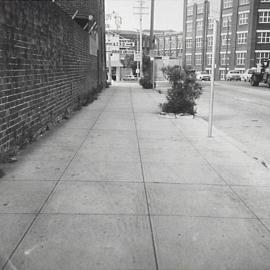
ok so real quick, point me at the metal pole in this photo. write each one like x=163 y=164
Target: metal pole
x=141 y=41
x=211 y=103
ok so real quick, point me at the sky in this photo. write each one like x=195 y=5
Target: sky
x=168 y=14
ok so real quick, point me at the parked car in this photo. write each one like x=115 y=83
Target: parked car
x=247 y=74
x=233 y=75
x=203 y=76
x=129 y=78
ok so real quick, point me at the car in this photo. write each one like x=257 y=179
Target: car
x=233 y=75
x=247 y=74
x=129 y=78
x=203 y=76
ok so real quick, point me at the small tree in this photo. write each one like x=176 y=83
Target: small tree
x=184 y=90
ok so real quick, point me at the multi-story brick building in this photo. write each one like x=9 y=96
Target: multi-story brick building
x=243 y=34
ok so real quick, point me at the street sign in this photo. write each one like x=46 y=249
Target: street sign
x=137 y=56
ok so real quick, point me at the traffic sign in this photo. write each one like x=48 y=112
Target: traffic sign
x=137 y=56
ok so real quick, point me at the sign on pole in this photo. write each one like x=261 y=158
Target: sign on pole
x=137 y=56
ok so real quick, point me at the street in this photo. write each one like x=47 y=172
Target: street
x=242 y=112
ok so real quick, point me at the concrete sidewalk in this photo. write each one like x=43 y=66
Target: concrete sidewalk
x=119 y=187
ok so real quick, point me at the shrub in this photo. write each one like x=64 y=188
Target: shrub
x=146 y=82
x=184 y=91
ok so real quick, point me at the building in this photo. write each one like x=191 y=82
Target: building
x=52 y=62
x=168 y=44
x=243 y=37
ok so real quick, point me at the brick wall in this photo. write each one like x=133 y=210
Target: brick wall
x=45 y=67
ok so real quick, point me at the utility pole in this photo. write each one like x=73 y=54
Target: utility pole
x=152 y=24
x=152 y=41
x=141 y=11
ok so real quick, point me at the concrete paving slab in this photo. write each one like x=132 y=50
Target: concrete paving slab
x=23 y=197
x=83 y=170
x=98 y=198
x=243 y=175
x=12 y=229
x=180 y=173
x=37 y=152
x=168 y=155
x=65 y=137
x=68 y=242
x=36 y=170
x=161 y=135
x=266 y=222
x=81 y=121
x=206 y=243
x=257 y=198
x=173 y=145
x=112 y=154
x=115 y=121
x=115 y=138
x=195 y=200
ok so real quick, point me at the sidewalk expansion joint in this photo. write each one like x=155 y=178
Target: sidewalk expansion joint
x=144 y=183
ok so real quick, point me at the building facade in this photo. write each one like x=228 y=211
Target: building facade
x=168 y=44
x=243 y=36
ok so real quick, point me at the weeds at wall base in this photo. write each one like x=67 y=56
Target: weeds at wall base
x=29 y=134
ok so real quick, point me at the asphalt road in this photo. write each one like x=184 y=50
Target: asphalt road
x=242 y=112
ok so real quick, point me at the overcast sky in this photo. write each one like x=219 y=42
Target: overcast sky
x=168 y=14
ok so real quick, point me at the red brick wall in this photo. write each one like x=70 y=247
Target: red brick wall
x=45 y=67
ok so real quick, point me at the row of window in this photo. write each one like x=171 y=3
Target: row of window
x=224 y=58
x=262 y=38
x=264 y=17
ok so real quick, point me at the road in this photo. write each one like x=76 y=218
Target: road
x=242 y=112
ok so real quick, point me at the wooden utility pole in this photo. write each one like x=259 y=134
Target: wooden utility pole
x=152 y=41
x=141 y=11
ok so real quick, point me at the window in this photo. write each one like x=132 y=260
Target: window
x=210 y=23
x=189 y=43
x=263 y=37
x=227 y=21
x=188 y=59
x=209 y=42
x=224 y=59
x=199 y=26
x=227 y=3
x=225 y=40
x=209 y=59
x=200 y=8
x=222 y=74
x=241 y=58
x=190 y=11
x=243 y=18
x=189 y=27
x=242 y=38
x=198 y=42
x=265 y=1
x=262 y=55
x=264 y=16
x=243 y=2
x=198 y=60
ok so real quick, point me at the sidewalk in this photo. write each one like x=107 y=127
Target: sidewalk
x=119 y=187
